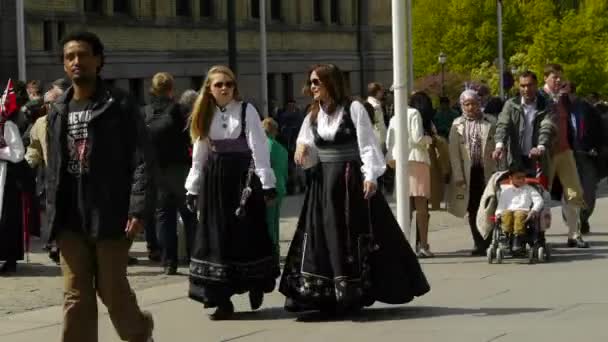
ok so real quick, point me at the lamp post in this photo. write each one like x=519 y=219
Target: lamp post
x=501 y=61
x=442 y=59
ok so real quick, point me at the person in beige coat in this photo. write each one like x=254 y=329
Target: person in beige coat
x=471 y=145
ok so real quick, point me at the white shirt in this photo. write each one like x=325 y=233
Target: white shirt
x=523 y=198
x=379 y=125
x=371 y=156
x=13 y=152
x=418 y=142
x=530 y=111
x=256 y=139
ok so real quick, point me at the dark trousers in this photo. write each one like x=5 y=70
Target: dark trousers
x=166 y=219
x=589 y=176
x=171 y=199
x=477 y=185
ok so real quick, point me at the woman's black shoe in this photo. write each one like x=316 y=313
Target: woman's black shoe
x=256 y=298
x=171 y=270
x=223 y=312
x=8 y=267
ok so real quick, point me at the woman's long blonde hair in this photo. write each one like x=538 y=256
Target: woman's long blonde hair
x=202 y=112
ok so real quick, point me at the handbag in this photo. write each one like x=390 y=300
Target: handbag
x=246 y=192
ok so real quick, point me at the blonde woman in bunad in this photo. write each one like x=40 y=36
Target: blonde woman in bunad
x=229 y=183
x=348 y=250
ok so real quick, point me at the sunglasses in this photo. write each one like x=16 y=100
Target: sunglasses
x=315 y=81
x=220 y=85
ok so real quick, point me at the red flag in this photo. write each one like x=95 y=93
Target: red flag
x=8 y=102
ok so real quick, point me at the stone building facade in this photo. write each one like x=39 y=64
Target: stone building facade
x=186 y=37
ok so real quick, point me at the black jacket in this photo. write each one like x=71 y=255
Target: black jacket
x=119 y=183
x=166 y=127
x=589 y=127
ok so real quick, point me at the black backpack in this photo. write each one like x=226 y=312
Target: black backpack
x=167 y=133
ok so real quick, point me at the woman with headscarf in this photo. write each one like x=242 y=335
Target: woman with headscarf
x=348 y=250
x=231 y=179
x=471 y=145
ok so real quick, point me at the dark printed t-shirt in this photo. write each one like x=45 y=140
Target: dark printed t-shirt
x=79 y=114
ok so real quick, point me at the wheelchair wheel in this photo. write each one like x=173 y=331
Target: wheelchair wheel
x=531 y=253
x=542 y=254
x=499 y=255
x=490 y=252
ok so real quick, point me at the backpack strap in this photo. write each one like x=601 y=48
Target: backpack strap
x=243 y=118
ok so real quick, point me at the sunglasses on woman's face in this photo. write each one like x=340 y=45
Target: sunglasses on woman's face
x=315 y=81
x=220 y=85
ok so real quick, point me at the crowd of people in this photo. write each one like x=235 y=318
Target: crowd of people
x=102 y=170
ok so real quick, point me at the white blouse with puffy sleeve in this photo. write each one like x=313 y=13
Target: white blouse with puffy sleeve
x=371 y=155
x=256 y=139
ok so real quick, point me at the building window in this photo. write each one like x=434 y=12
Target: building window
x=207 y=8
x=275 y=10
x=346 y=77
x=287 y=88
x=92 y=6
x=272 y=92
x=121 y=6
x=334 y=11
x=47 y=31
x=60 y=30
x=196 y=82
x=182 y=8
x=317 y=10
x=136 y=88
x=255 y=9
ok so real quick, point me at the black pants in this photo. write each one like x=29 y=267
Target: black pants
x=477 y=185
x=171 y=200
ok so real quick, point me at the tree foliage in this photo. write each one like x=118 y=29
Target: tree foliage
x=535 y=32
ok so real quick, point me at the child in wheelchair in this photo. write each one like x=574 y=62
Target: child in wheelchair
x=518 y=205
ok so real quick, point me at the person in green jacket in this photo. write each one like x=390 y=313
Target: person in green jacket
x=278 y=162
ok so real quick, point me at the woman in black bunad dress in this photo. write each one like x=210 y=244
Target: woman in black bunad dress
x=348 y=250
x=12 y=152
x=232 y=254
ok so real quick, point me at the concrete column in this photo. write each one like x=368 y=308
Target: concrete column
x=220 y=9
x=326 y=10
x=290 y=11
x=107 y=7
x=195 y=5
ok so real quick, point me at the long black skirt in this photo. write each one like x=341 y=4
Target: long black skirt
x=348 y=252
x=11 y=222
x=231 y=255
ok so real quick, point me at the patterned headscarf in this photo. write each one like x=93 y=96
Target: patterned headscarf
x=472 y=129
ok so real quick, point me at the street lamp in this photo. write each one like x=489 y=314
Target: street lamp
x=442 y=59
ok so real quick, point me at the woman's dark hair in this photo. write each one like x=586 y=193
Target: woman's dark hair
x=331 y=77
x=422 y=102
x=88 y=37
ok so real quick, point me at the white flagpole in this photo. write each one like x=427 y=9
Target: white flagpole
x=21 y=40
x=501 y=60
x=400 y=85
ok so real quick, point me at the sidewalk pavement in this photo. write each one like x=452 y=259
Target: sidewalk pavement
x=470 y=301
